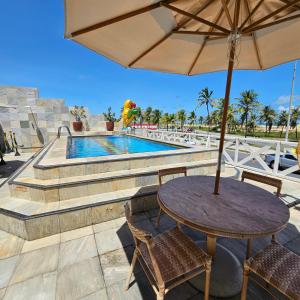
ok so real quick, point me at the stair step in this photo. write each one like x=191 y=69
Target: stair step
x=53 y=183
x=65 y=188
x=33 y=220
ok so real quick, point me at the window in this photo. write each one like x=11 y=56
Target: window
x=289 y=156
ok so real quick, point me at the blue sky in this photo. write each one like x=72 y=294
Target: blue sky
x=34 y=53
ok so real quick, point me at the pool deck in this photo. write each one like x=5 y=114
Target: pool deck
x=93 y=262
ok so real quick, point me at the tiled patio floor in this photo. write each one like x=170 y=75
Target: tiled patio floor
x=93 y=262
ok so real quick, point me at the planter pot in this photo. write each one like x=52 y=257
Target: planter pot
x=110 y=126
x=77 y=126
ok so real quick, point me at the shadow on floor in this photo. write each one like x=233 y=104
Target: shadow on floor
x=140 y=287
x=10 y=167
x=187 y=291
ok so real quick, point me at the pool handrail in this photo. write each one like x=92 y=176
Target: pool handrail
x=59 y=131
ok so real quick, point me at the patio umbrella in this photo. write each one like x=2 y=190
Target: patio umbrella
x=189 y=36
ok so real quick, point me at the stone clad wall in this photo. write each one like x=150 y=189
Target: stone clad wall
x=48 y=113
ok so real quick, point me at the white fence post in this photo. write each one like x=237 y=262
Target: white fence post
x=236 y=152
x=208 y=141
x=277 y=158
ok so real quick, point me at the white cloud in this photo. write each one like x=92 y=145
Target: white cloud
x=281 y=100
x=281 y=108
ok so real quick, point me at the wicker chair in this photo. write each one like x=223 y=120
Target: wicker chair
x=266 y=180
x=168 y=259
x=165 y=172
x=279 y=267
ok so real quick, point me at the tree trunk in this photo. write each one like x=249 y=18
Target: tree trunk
x=208 y=116
x=246 y=124
x=270 y=127
x=266 y=129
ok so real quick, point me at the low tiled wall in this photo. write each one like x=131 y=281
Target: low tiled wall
x=42 y=225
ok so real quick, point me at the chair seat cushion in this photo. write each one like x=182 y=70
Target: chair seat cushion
x=280 y=267
x=176 y=255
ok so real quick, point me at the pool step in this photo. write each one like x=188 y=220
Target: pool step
x=95 y=184
x=32 y=220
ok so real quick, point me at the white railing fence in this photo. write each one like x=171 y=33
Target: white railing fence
x=241 y=152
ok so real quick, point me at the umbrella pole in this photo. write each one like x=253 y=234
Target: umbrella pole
x=224 y=117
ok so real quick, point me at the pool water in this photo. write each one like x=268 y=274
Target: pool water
x=112 y=145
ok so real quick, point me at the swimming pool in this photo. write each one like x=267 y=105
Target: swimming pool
x=113 y=145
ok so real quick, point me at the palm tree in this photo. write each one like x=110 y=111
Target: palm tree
x=192 y=118
x=247 y=103
x=204 y=98
x=215 y=119
x=201 y=120
x=268 y=115
x=165 y=120
x=172 y=119
x=282 y=120
x=147 y=115
x=155 y=116
x=231 y=120
x=252 y=123
x=139 y=115
x=181 y=116
x=295 y=117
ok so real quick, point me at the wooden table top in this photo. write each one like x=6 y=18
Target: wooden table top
x=242 y=210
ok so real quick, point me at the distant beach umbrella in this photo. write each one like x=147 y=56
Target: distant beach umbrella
x=189 y=36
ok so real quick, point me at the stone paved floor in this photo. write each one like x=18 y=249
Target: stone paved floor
x=93 y=262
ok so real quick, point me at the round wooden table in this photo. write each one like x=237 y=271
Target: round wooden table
x=241 y=210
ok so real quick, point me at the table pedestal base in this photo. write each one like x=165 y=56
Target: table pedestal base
x=226 y=274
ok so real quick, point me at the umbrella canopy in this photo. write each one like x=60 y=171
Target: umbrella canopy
x=186 y=36
x=189 y=36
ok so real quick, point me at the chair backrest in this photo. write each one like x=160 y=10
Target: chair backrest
x=142 y=236
x=171 y=171
x=263 y=179
x=138 y=234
